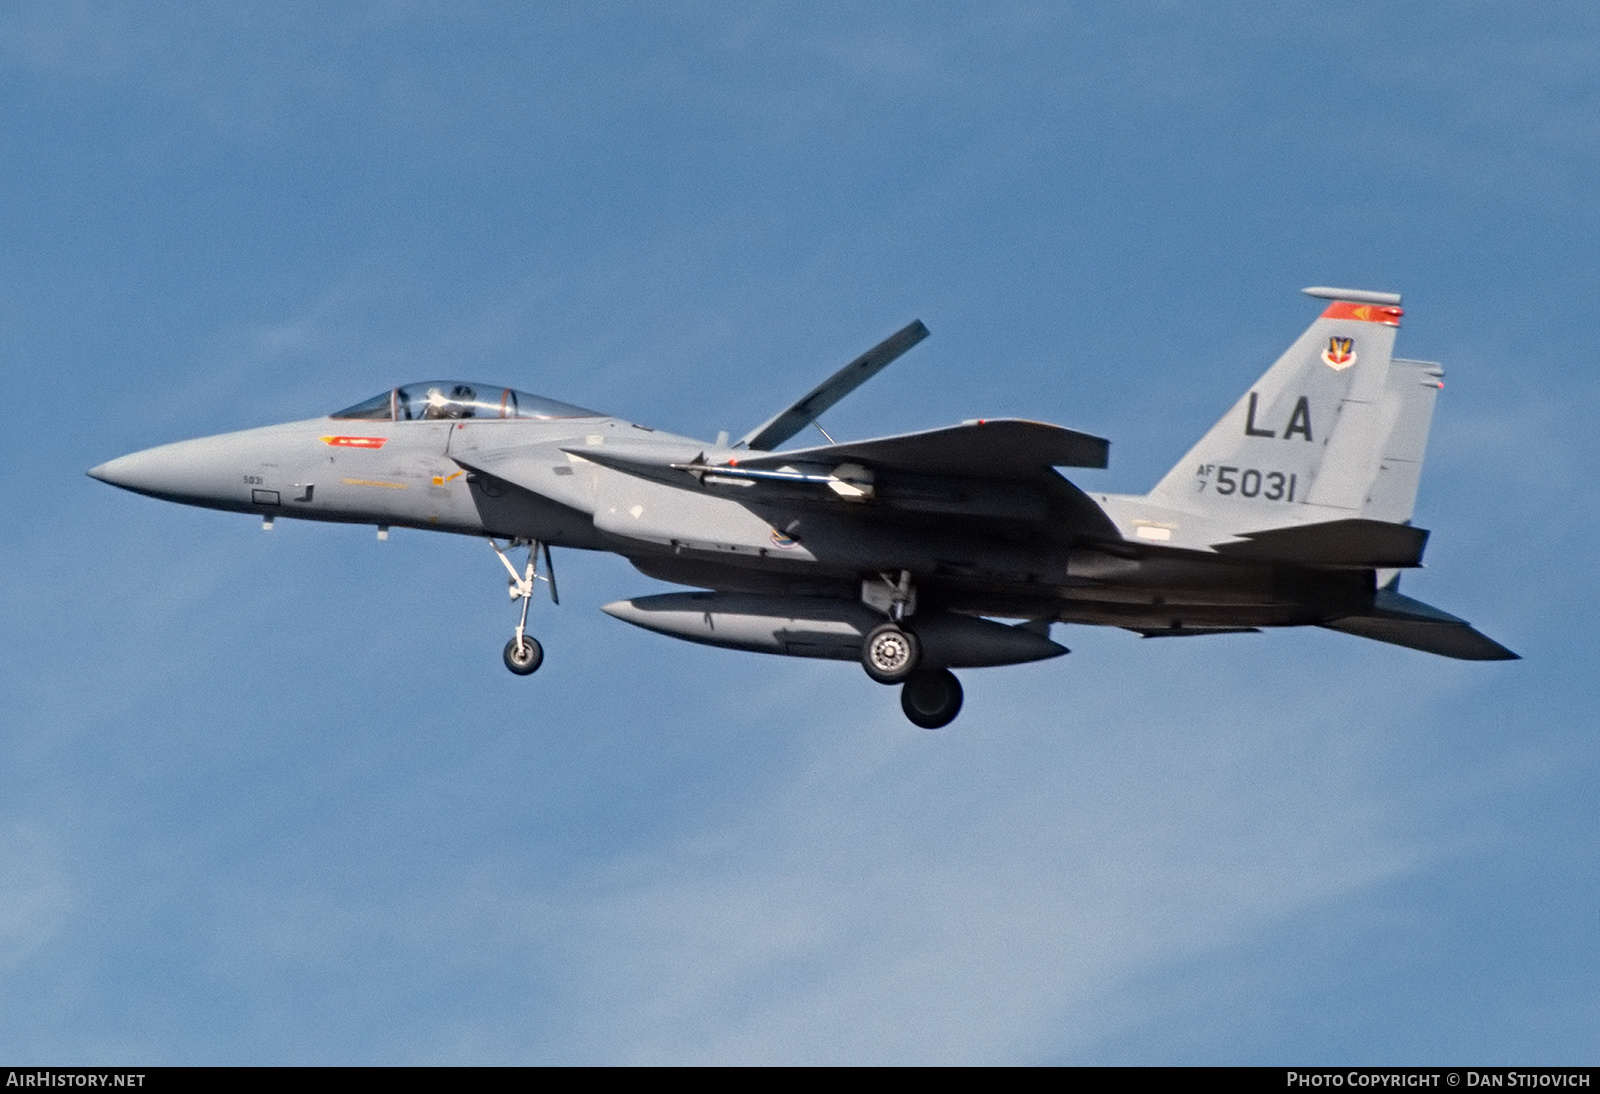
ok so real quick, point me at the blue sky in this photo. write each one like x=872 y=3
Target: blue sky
x=273 y=798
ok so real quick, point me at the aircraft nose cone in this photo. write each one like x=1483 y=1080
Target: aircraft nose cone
x=227 y=471
x=114 y=472
x=141 y=472
x=184 y=471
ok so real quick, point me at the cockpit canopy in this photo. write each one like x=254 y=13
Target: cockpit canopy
x=449 y=400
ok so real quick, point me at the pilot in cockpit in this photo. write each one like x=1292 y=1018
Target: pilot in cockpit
x=458 y=404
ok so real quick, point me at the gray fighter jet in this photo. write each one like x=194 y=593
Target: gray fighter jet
x=899 y=552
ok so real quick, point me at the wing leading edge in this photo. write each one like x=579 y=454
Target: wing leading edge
x=994 y=448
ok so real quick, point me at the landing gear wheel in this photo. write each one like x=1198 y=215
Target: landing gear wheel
x=525 y=658
x=931 y=698
x=890 y=654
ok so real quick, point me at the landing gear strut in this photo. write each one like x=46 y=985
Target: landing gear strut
x=890 y=653
x=524 y=654
x=931 y=698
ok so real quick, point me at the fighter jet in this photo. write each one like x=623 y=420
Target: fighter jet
x=913 y=554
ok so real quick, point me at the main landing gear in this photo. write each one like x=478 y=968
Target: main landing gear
x=931 y=698
x=524 y=654
x=891 y=654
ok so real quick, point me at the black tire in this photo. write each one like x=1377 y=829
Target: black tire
x=890 y=653
x=931 y=698
x=527 y=659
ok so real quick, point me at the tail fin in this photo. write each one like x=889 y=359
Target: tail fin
x=1334 y=429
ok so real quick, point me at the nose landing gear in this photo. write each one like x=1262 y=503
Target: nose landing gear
x=523 y=654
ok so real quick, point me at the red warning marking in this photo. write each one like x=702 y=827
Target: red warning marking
x=355 y=442
x=1366 y=313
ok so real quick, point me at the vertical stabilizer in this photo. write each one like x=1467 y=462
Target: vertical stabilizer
x=1334 y=429
x=1408 y=404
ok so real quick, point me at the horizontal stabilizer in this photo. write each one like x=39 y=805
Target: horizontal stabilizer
x=997 y=448
x=1354 y=542
x=792 y=419
x=1402 y=621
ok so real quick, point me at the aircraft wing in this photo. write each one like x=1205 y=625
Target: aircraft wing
x=979 y=471
x=996 y=448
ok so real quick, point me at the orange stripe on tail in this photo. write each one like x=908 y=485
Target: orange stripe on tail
x=1366 y=313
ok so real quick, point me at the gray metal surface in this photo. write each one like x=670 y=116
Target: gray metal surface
x=1357 y=296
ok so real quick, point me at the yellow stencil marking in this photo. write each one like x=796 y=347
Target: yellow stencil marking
x=377 y=482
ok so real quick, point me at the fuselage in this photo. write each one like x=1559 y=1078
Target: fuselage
x=514 y=466
x=388 y=474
